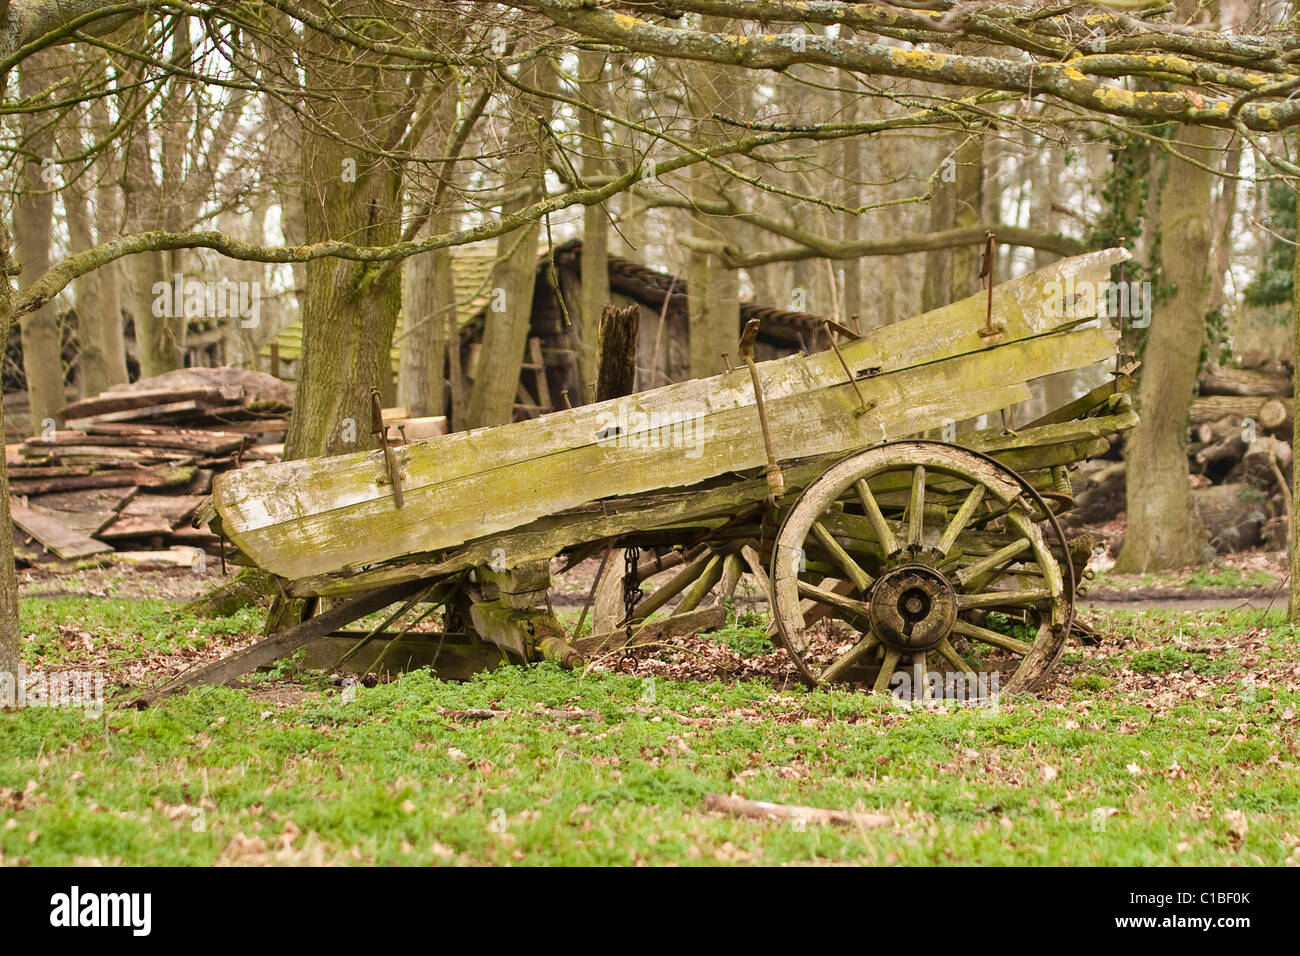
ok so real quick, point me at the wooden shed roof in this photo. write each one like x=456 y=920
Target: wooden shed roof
x=472 y=274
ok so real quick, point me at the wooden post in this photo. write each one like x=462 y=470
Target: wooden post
x=619 y=330
x=615 y=377
x=524 y=635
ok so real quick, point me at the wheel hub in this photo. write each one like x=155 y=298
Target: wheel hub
x=913 y=608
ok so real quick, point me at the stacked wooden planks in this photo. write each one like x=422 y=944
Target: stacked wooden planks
x=130 y=465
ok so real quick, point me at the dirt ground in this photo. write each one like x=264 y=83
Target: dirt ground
x=123 y=582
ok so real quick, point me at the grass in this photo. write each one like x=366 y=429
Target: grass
x=744 y=633
x=1155 y=749
x=1218 y=576
x=58 y=629
x=1209 y=577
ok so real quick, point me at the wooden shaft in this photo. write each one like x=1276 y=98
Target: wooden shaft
x=696 y=593
x=678 y=583
x=285 y=642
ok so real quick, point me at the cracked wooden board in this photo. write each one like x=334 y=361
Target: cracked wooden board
x=55 y=535
x=693 y=509
x=331 y=531
x=942 y=333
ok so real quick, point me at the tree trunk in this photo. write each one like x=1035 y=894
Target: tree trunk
x=10 y=631
x=1224 y=207
x=851 y=225
x=91 y=317
x=350 y=191
x=952 y=274
x=1162 y=530
x=429 y=292
x=510 y=310
x=713 y=290
x=142 y=271
x=595 y=218
x=284 y=142
x=142 y=211
x=174 y=127
x=887 y=278
x=1293 y=592
x=108 y=222
x=1047 y=170
x=33 y=224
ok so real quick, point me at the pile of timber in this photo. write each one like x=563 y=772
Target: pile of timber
x=1238 y=452
x=128 y=467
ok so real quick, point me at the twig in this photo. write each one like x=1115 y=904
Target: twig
x=762 y=810
x=591 y=594
x=483 y=713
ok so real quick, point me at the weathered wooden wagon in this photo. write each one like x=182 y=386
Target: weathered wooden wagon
x=876 y=549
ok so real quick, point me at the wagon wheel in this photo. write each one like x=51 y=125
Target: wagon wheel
x=937 y=560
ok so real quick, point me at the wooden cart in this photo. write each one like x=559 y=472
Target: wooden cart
x=805 y=473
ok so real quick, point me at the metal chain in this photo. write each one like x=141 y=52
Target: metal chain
x=632 y=592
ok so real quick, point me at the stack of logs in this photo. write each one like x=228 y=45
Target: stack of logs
x=127 y=468
x=1239 y=455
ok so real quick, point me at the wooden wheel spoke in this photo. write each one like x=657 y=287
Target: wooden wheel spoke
x=961 y=519
x=810 y=611
x=853 y=619
x=1037 y=597
x=989 y=562
x=886 y=671
x=920 y=670
x=860 y=578
x=950 y=654
x=884 y=533
x=974 y=631
x=856 y=653
x=832 y=600
x=701 y=586
x=996 y=510
x=916 y=508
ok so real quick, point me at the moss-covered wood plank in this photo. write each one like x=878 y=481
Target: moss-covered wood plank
x=311 y=518
x=1023 y=309
x=339 y=520
x=1030 y=450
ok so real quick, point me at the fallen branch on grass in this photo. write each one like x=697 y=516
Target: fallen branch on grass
x=762 y=810
x=483 y=713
